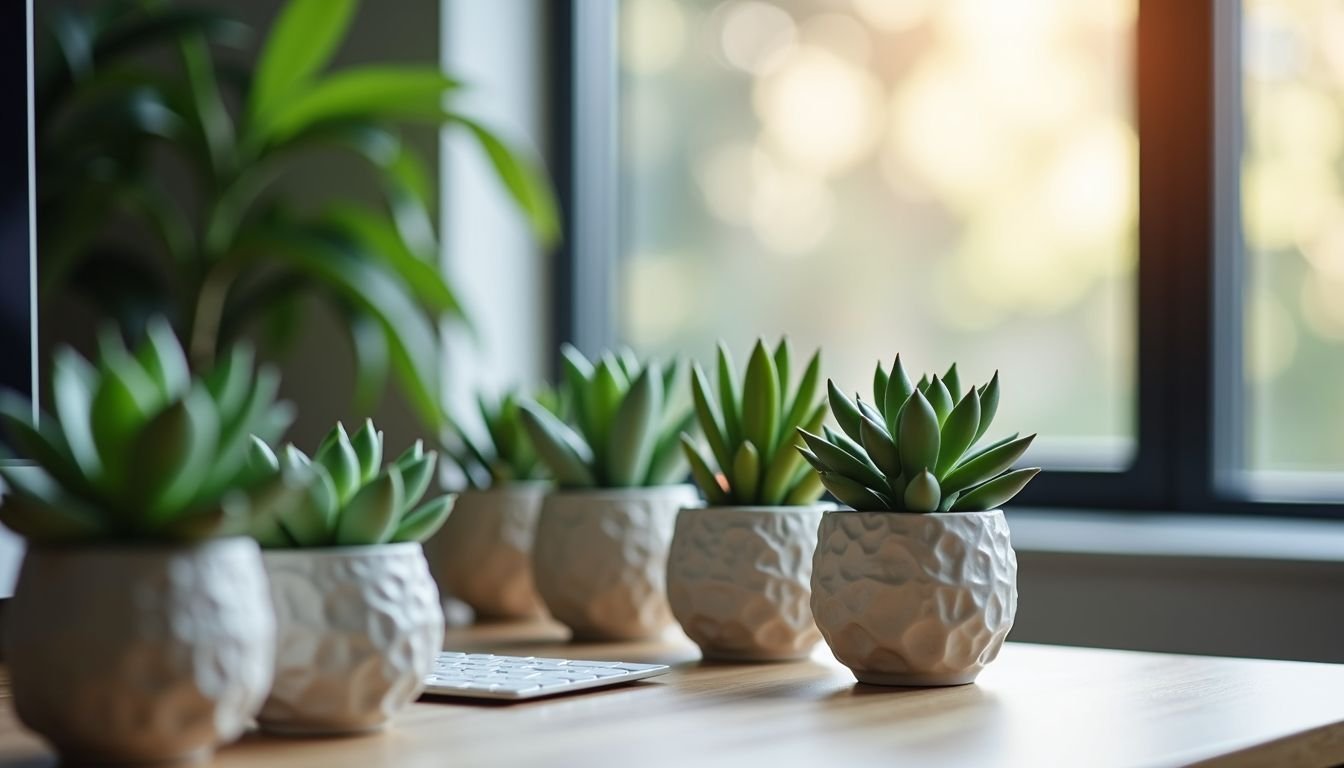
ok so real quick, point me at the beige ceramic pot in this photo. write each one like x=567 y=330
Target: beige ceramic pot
x=914 y=599
x=600 y=559
x=142 y=654
x=739 y=580
x=483 y=553
x=359 y=628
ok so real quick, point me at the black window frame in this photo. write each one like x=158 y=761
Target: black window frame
x=1190 y=390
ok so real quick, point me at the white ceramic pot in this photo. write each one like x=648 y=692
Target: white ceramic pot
x=739 y=580
x=140 y=654
x=359 y=628
x=600 y=559
x=914 y=599
x=483 y=553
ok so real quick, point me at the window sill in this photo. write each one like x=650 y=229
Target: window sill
x=1085 y=532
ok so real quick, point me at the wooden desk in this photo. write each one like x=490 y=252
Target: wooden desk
x=1036 y=706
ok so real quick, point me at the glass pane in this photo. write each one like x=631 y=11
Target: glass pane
x=1293 y=223
x=948 y=180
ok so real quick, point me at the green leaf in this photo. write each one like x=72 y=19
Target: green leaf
x=710 y=423
x=730 y=402
x=368 y=445
x=209 y=115
x=667 y=464
x=162 y=358
x=309 y=521
x=337 y=455
x=880 y=448
x=37 y=508
x=73 y=382
x=898 y=392
x=760 y=399
x=379 y=238
x=805 y=491
x=918 y=436
x=125 y=399
x=372 y=359
x=416 y=477
x=783 y=466
x=844 y=410
x=783 y=368
x=745 y=475
x=804 y=399
x=173 y=456
x=989 y=405
x=601 y=400
x=842 y=462
x=958 y=432
x=525 y=183
x=879 y=385
x=704 y=476
x=940 y=399
x=568 y=457
x=302 y=41
x=952 y=380
x=634 y=430
x=854 y=494
x=425 y=520
x=996 y=492
x=989 y=464
x=922 y=493
x=377 y=92
x=371 y=516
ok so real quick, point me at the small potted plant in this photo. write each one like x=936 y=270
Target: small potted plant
x=140 y=629
x=483 y=553
x=600 y=556
x=358 y=615
x=739 y=569
x=917 y=584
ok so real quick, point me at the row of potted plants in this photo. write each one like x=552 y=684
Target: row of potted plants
x=146 y=624
x=914 y=583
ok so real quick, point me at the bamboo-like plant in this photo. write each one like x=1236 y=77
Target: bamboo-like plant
x=227 y=246
x=913 y=449
x=343 y=495
x=751 y=430
x=506 y=454
x=624 y=426
x=137 y=449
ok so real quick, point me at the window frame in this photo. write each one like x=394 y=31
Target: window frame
x=1190 y=391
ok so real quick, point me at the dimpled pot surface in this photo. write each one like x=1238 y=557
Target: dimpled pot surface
x=140 y=654
x=738 y=580
x=600 y=559
x=911 y=599
x=483 y=553
x=359 y=628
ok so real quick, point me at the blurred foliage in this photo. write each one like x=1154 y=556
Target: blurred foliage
x=192 y=153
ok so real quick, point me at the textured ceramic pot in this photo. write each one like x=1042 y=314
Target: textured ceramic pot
x=600 y=559
x=910 y=599
x=140 y=654
x=483 y=553
x=358 y=630
x=739 y=580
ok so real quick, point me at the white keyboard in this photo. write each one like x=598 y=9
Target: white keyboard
x=486 y=676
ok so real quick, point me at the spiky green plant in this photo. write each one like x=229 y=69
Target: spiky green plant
x=506 y=454
x=343 y=495
x=913 y=450
x=624 y=424
x=751 y=430
x=138 y=450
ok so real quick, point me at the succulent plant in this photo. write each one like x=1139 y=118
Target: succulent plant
x=751 y=431
x=139 y=450
x=343 y=495
x=624 y=424
x=506 y=455
x=913 y=449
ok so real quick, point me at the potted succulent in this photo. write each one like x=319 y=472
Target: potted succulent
x=917 y=584
x=140 y=629
x=739 y=569
x=358 y=615
x=483 y=553
x=600 y=556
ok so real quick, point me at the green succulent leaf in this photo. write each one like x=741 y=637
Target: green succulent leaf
x=844 y=410
x=804 y=398
x=898 y=392
x=880 y=448
x=958 y=432
x=710 y=423
x=805 y=491
x=730 y=400
x=842 y=462
x=416 y=477
x=919 y=438
x=162 y=359
x=987 y=465
x=35 y=507
x=922 y=493
x=952 y=380
x=989 y=405
x=760 y=399
x=371 y=515
x=940 y=399
x=635 y=429
x=996 y=492
x=73 y=383
x=880 y=380
x=704 y=476
x=425 y=520
x=667 y=465
x=783 y=360
x=337 y=455
x=746 y=472
x=565 y=453
x=855 y=494
x=368 y=445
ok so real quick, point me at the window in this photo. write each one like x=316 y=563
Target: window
x=1053 y=187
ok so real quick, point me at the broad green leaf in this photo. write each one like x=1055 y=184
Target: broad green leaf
x=302 y=41
x=745 y=476
x=416 y=477
x=952 y=380
x=996 y=492
x=844 y=410
x=840 y=461
x=368 y=445
x=760 y=399
x=379 y=238
x=804 y=398
x=162 y=358
x=880 y=447
x=730 y=401
x=372 y=359
x=958 y=432
x=783 y=369
x=525 y=182
x=378 y=92
x=73 y=382
x=989 y=405
x=425 y=520
x=879 y=384
x=710 y=424
x=208 y=113
x=922 y=493
x=565 y=453
x=898 y=392
x=854 y=494
x=940 y=399
x=173 y=457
